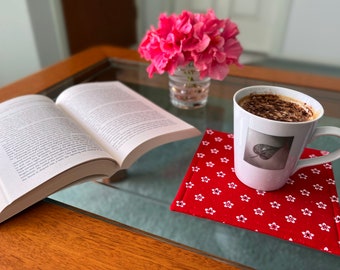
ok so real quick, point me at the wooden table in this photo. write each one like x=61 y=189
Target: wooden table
x=50 y=235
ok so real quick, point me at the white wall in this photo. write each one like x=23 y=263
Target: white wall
x=32 y=36
x=313 y=32
x=18 y=51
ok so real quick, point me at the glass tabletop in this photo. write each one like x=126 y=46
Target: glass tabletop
x=141 y=199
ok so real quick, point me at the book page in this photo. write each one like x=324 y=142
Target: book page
x=122 y=120
x=37 y=142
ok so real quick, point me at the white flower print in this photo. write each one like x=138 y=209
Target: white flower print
x=290 y=198
x=230 y=135
x=228 y=147
x=334 y=198
x=210 y=164
x=245 y=198
x=200 y=155
x=324 y=227
x=290 y=219
x=304 y=192
x=273 y=226
x=315 y=171
x=302 y=176
x=318 y=187
x=228 y=204
x=210 y=211
x=210 y=131
x=330 y=181
x=312 y=155
x=324 y=152
x=189 y=184
x=321 y=205
x=180 y=203
x=205 y=143
x=199 y=197
x=220 y=174
x=306 y=212
x=337 y=219
x=195 y=169
x=216 y=191
x=218 y=139
x=233 y=169
x=275 y=204
x=241 y=218
x=258 y=211
x=224 y=160
x=232 y=185
x=290 y=181
x=205 y=179
x=307 y=234
x=214 y=151
x=260 y=192
x=327 y=166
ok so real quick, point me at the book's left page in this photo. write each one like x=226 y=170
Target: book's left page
x=38 y=142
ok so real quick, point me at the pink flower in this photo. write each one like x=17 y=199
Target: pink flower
x=202 y=39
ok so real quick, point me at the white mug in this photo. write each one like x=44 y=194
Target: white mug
x=267 y=152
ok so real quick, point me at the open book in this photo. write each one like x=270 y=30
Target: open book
x=92 y=131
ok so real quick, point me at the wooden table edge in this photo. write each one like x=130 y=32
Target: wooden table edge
x=50 y=235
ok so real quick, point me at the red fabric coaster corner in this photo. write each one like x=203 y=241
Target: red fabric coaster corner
x=305 y=211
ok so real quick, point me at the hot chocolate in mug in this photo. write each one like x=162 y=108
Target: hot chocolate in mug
x=267 y=151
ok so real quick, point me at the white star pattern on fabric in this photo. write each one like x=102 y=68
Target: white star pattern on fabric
x=218 y=139
x=245 y=198
x=290 y=198
x=224 y=160
x=304 y=192
x=189 y=184
x=180 y=203
x=321 y=205
x=216 y=191
x=241 y=218
x=324 y=227
x=290 y=219
x=195 y=169
x=315 y=171
x=334 y=199
x=210 y=211
x=199 y=197
x=302 y=176
x=274 y=226
x=220 y=174
x=318 y=187
x=210 y=164
x=275 y=205
x=228 y=204
x=307 y=234
x=258 y=211
x=200 y=155
x=228 y=147
x=232 y=185
x=307 y=212
x=214 y=151
x=260 y=192
x=327 y=166
x=205 y=179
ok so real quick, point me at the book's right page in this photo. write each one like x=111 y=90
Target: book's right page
x=124 y=122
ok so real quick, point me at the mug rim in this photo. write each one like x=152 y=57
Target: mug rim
x=264 y=89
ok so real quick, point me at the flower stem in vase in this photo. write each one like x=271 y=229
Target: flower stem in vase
x=187 y=89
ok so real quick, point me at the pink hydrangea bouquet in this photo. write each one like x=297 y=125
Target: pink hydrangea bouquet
x=205 y=41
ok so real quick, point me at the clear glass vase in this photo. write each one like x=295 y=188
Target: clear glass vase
x=187 y=90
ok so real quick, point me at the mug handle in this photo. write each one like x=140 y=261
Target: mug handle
x=321 y=131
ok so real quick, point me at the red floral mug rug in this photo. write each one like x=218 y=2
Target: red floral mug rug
x=305 y=211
